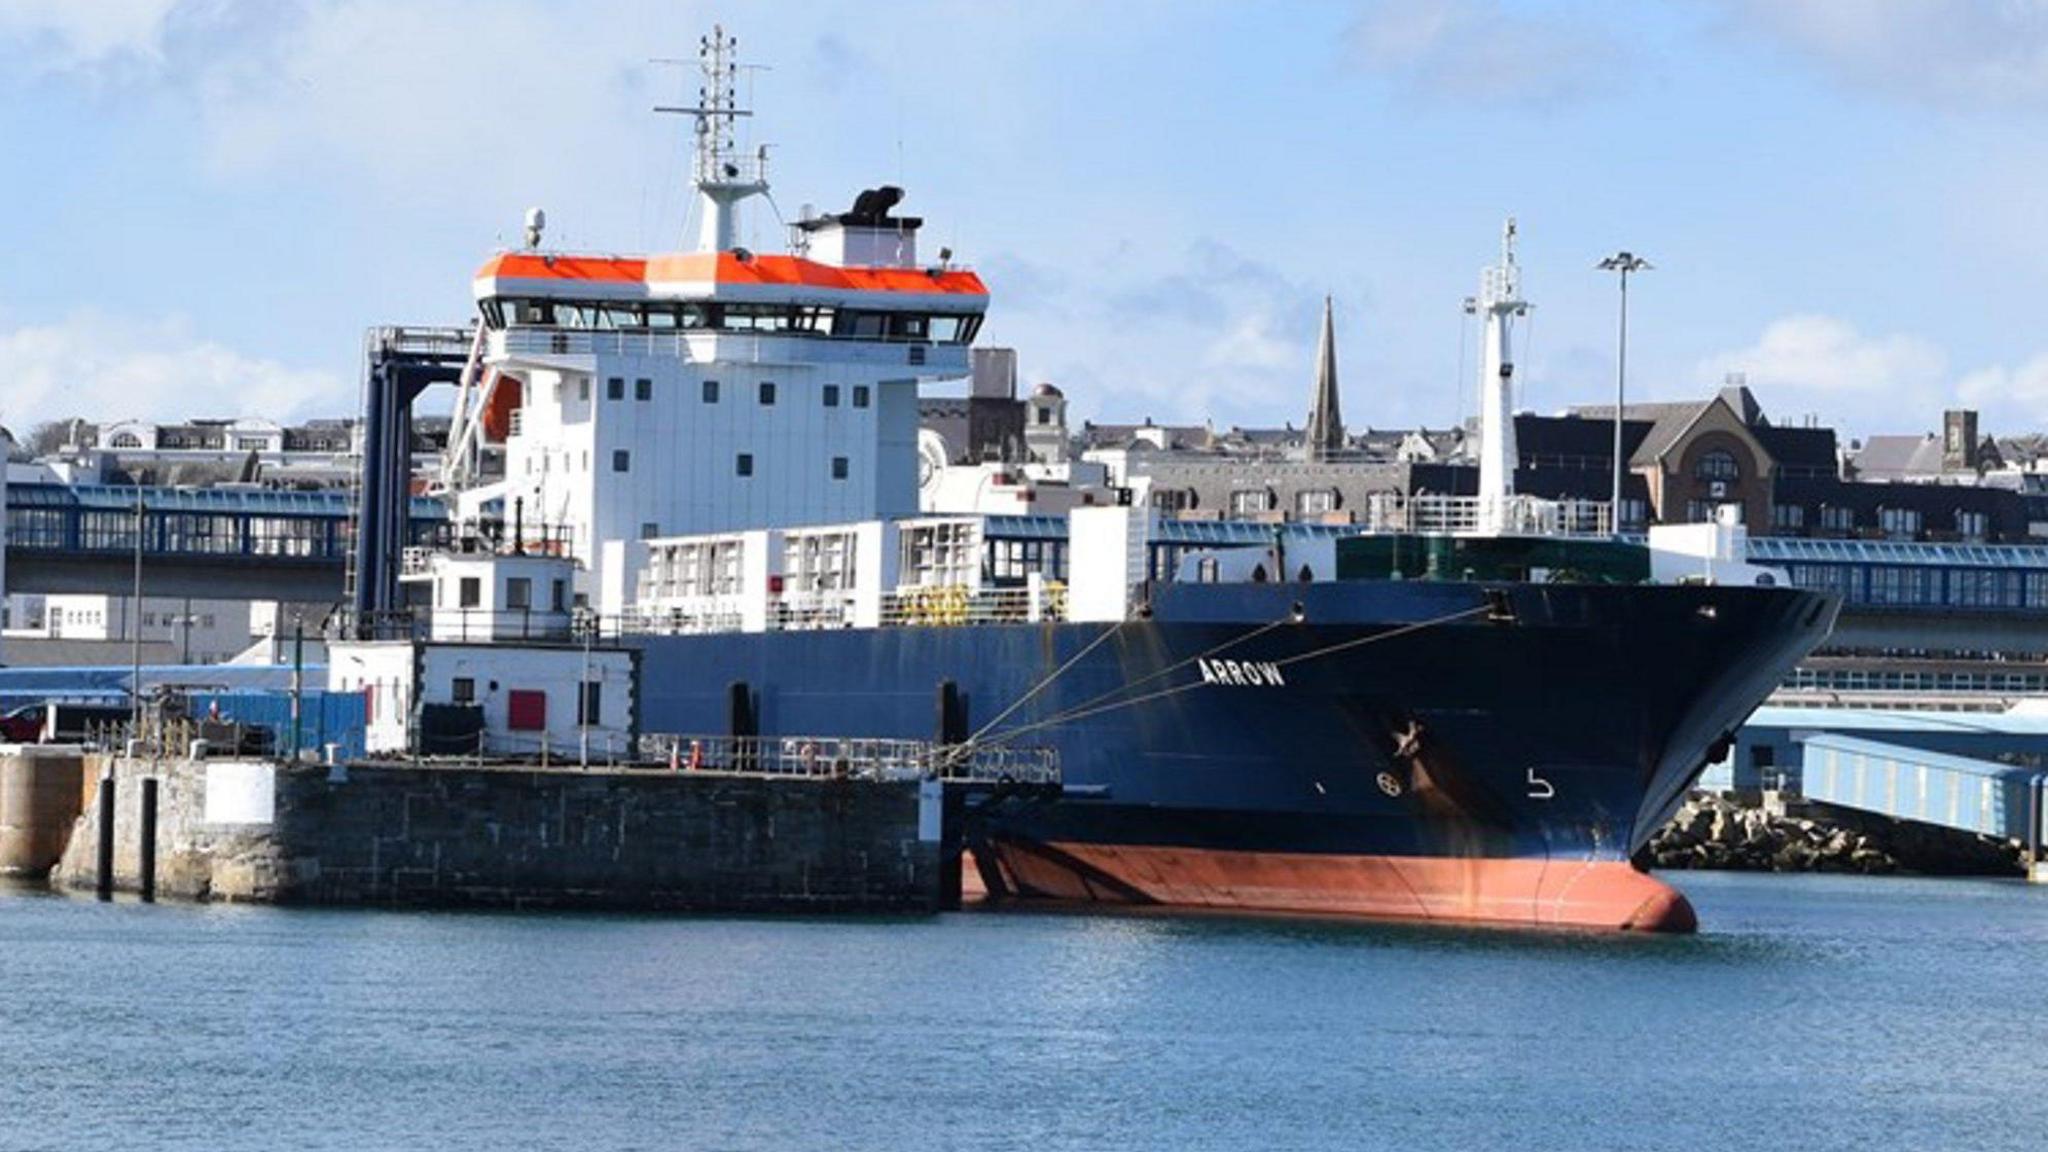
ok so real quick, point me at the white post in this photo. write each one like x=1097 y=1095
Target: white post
x=1498 y=303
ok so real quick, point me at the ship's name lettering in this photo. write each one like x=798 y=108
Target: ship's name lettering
x=1242 y=673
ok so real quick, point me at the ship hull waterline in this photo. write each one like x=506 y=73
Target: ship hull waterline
x=1415 y=750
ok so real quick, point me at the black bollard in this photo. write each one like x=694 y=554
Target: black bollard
x=105 y=880
x=147 y=848
x=952 y=717
x=742 y=725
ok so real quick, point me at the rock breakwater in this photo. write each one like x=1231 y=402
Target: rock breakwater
x=1712 y=832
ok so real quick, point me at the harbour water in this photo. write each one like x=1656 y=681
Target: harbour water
x=1813 y=1012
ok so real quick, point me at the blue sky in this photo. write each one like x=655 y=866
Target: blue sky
x=208 y=201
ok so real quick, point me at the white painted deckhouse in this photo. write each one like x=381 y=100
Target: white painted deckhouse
x=645 y=397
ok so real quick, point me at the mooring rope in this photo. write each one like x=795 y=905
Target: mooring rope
x=1097 y=706
x=1150 y=676
x=1047 y=679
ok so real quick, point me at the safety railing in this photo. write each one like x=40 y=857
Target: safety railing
x=1471 y=515
x=957 y=604
x=850 y=758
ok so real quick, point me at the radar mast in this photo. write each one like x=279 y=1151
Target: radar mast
x=723 y=176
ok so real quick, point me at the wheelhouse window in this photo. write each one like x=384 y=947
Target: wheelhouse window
x=668 y=316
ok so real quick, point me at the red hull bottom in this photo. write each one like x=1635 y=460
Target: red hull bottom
x=1529 y=893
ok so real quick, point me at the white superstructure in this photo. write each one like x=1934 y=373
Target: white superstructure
x=638 y=398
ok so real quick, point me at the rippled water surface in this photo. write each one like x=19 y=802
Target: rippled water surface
x=1813 y=1012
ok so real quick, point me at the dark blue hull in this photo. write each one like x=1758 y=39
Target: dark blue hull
x=1356 y=720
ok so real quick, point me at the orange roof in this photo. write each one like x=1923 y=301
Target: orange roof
x=537 y=266
x=727 y=268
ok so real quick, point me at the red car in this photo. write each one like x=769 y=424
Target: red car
x=23 y=725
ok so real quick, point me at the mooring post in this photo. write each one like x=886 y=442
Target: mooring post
x=741 y=724
x=146 y=847
x=105 y=854
x=951 y=730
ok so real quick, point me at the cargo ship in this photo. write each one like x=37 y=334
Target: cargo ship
x=694 y=481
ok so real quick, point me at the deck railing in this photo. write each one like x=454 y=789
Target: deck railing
x=849 y=758
x=1471 y=515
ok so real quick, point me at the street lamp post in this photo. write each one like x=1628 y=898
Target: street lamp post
x=1623 y=262
x=134 y=621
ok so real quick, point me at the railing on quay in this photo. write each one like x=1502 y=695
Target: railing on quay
x=851 y=758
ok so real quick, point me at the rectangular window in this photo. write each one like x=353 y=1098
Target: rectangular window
x=561 y=596
x=744 y=464
x=518 y=593
x=1315 y=501
x=472 y=592
x=1250 y=501
x=1786 y=517
x=839 y=467
x=711 y=391
x=615 y=388
x=643 y=389
x=767 y=391
x=1835 y=519
x=649 y=530
x=463 y=690
x=860 y=395
x=590 y=708
x=583 y=388
x=622 y=460
x=831 y=395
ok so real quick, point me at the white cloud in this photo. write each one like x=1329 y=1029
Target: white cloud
x=1475 y=51
x=1861 y=384
x=1956 y=54
x=426 y=95
x=106 y=368
x=68 y=34
x=1824 y=366
x=2018 y=396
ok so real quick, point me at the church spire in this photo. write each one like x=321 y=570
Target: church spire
x=1325 y=423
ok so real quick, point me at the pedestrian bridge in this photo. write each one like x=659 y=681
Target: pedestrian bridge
x=1983 y=797
x=222 y=542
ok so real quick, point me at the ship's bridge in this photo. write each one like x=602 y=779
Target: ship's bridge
x=734 y=291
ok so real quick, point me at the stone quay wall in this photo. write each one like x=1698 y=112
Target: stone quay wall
x=386 y=834
x=41 y=791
